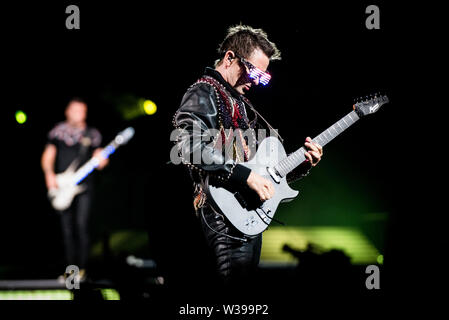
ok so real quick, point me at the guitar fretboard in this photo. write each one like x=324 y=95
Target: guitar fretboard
x=296 y=158
x=90 y=165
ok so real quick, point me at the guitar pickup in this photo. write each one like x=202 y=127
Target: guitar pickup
x=274 y=174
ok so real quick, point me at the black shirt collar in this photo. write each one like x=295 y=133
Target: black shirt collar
x=217 y=76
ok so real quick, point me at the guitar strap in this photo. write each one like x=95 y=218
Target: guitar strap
x=257 y=114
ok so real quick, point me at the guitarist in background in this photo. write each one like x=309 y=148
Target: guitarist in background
x=217 y=101
x=72 y=141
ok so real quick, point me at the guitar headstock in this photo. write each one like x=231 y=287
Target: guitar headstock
x=124 y=136
x=370 y=104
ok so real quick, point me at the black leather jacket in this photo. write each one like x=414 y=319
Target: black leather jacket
x=197 y=115
x=200 y=111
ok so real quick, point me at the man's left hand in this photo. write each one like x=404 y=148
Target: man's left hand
x=314 y=152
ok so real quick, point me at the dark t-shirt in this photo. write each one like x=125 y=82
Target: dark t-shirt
x=73 y=144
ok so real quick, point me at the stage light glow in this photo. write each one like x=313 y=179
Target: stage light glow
x=36 y=295
x=21 y=117
x=110 y=294
x=149 y=107
x=132 y=107
x=351 y=240
x=52 y=294
x=123 y=240
x=380 y=259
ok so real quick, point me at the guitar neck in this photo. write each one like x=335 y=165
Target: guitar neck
x=90 y=165
x=296 y=158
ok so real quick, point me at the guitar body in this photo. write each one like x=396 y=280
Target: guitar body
x=243 y=207
x=62 y=197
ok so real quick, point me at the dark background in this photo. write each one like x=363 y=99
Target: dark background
x=153 y=51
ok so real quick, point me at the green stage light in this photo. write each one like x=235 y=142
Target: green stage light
x=149 y=107
x=132 y=107
x=110 y=294
x=123 y=241
x=21 y=117
x=350 y=240
x=36 y=295
x=380 y=259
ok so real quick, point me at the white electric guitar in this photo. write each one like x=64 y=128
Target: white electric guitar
x=242 y=206
x=69 y=181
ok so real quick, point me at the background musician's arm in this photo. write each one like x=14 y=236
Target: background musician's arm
x=48 y=164
x=102 y=161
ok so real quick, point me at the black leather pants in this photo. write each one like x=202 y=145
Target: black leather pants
x=235 y=260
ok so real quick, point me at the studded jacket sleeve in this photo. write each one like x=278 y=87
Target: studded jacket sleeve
x=197 y=127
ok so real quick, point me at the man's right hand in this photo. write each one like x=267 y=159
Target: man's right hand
x=263 y=187
x=50 y=180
